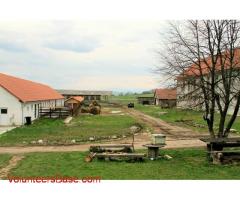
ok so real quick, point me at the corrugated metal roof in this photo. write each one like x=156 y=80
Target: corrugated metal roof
x=84 y=92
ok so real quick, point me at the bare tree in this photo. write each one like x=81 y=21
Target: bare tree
x=204 y=55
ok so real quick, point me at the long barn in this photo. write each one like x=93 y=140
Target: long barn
x=87 y=94
x=21 y=98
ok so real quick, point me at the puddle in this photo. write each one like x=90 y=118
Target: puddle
x=116 y=111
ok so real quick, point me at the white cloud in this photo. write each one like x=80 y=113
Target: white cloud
x=84 y=45
x=61 y=53
x=105 y=82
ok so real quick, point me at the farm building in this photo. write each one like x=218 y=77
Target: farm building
x=22 y=98
x=165 y=98
x=189 y=92
x=88 y=95
x=74 y=102
x=146 y=99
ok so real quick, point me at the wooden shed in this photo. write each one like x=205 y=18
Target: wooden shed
x=165 y=98
x=74 y=102
x=146 y=100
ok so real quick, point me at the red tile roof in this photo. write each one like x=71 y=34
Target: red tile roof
x=27 y=91
x=194 y=70
x=77 y=98
x=166 y=94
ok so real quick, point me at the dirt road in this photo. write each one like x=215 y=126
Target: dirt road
x=177 y=137
x=85 y=147
x=12 y=163
x=160 y=126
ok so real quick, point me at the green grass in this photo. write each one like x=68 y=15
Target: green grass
x=187 y=118
x=4 y=159
x=125 y=99
x=81 y=128
x=186 y=164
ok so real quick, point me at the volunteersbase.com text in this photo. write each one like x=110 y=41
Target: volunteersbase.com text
x=54 y=179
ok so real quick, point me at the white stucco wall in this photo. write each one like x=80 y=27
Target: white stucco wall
x=29 y=107
x=189 y=103
x=29 y=110
x=14 y=114
x=17 y=111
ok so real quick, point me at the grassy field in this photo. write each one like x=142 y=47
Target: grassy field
x=4 y=158
x=186 y=164
x=187 y=118
x=125 y=99
x=81 y=128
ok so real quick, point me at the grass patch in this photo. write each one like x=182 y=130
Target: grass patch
x=187 y=164
x=126 y=99
x=4 y=159
x=81 y=128
x=186 y=118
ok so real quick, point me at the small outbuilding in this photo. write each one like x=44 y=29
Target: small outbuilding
x=146 y=99
x=74 y=102
x=165 y=98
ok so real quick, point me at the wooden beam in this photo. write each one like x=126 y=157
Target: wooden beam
x=129 y=155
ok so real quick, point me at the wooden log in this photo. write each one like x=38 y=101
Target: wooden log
x=90 y=157
x=167 y=157
x=130 y=155
x=111 y=148
x=225 y=157
x=217 y=157
x=112 y=145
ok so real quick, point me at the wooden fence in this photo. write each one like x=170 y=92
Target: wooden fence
x=61 y=112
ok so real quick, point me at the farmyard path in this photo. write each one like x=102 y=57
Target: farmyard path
x=12 y=163
x=177 y=137
x=160 y=126
x=85 y=147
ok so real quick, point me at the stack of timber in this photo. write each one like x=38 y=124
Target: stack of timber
x=223 y=150
x=114 y=152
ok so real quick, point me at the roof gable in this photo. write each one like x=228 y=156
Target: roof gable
x=194 y=69
x=77 y=98
x=27 y=91
x=165 y=94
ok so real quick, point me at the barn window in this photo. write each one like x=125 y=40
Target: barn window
x=4 y=111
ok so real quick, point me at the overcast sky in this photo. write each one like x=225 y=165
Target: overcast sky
x=90 y=55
